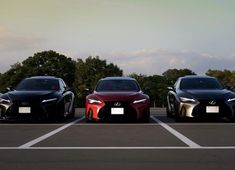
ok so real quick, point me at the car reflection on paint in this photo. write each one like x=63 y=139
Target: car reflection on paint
x=117 y=98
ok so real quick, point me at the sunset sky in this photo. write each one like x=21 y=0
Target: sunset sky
x=141 y=36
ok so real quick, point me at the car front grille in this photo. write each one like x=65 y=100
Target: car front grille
x=200 y=109
x=13 y=110
x=129 y=112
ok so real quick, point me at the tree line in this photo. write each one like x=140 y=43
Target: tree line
x=84 y=74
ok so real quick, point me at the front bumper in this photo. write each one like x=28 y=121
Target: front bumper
x=131 y=111
x=38 y=110
x=198 y=110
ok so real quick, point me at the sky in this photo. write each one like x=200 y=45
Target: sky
x=140 y=36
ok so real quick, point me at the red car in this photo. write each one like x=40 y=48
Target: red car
x=117 y=98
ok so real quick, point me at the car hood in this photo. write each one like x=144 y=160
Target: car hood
x=122 y=96
x=30 y=95
x=208 y=94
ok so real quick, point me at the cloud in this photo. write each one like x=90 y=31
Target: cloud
x=156 y=61
x=15 y=48
x=18 y=43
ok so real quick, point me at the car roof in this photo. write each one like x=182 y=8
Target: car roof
x=118 y=78
x=43 y=77
x=196 y=76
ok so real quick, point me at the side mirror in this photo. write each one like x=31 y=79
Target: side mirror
x=68 y=89
x=9 y=89
x=170 y=88
x=87 y=90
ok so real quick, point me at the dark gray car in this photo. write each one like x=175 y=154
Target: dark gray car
x=200 y=97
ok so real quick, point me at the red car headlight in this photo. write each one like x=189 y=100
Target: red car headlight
x=94 y=101
x=140 y=101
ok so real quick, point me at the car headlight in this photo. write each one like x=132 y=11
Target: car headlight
x=94 y=101
x=231 y=100
x=139 y=101
x=187 y=100
x=4 y=100
x=49 y=100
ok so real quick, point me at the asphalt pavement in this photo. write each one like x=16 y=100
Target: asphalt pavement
x=160 y=144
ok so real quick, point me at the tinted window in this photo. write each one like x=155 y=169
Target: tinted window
x=117 y=85
x=38 y=85
x=62 y=85
x=200 y=83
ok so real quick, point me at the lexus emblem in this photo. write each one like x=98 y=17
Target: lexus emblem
x=117 y=104
x=24 y=103
x=212 y=102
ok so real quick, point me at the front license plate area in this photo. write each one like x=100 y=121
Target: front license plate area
x=25 y=110
x=212 y=109
x=117 y=111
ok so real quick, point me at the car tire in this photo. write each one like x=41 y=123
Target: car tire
x=72 y=113
x=61 y=112
x=179 y=118
x=168 y=112
x=146 y=117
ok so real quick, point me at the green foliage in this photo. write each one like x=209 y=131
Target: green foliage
x=50 y=63
x=88 y=73
x=11 y=77
x=43 y=63
x=155 y=86
x=172 y=75
x=227 y=77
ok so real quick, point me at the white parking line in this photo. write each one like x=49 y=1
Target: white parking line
x=183 y=138
x=116 y=124
x=123 y=148
x=35 y=141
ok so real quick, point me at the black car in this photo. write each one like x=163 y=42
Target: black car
x=200 y=97
x=38 y=97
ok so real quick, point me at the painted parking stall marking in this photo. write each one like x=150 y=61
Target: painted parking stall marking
x=35 y=141
x=190 y=144
x=183 y=138
x=123 y=148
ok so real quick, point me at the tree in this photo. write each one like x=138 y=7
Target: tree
x=50 y=63
x=89 y=72
x=226 y=77
x=11 y=77
x=172 y=75
x=155 y=86
x=42 y=63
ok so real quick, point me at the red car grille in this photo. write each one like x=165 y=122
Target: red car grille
x=129 y=111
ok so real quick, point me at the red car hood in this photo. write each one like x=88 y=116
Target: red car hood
x=120 y=96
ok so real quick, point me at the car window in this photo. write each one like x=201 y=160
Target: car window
x=38 y=85
x=176 y=85
x=117 y=85
x=200 y=83
x=62 y=85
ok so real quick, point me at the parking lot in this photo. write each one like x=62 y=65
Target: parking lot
x=160 y=144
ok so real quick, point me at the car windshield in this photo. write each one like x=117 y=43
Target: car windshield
x=200 y=83
x=38 y=85
x=117 y=85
